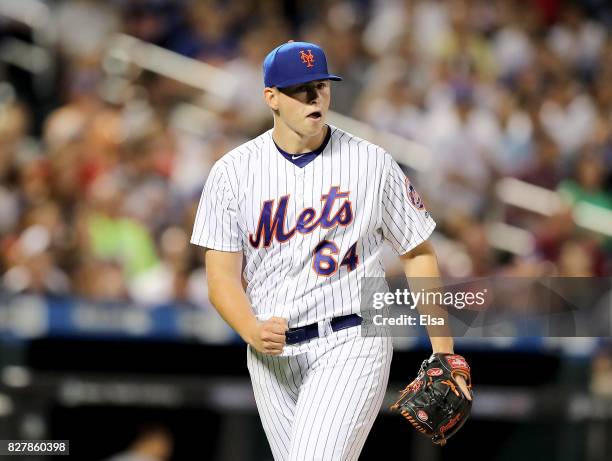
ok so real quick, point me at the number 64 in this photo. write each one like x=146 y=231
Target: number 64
x=325 y=261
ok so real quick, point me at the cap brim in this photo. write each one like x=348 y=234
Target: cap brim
x=306 y=79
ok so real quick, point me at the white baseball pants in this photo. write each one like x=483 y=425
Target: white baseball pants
x=321 y=404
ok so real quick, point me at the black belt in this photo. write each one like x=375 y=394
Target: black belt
x=297 y=335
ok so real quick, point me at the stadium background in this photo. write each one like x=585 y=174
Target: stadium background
x=111 y=115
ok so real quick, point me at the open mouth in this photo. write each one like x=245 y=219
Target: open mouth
x=315 y=115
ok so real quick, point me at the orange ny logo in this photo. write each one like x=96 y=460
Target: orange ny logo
x=307 y=58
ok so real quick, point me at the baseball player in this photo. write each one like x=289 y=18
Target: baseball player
x=309 y=207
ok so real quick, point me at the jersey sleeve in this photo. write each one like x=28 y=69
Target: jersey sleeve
x=406 y=223
x=216 y=223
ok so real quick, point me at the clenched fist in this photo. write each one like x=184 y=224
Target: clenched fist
x=269 y=336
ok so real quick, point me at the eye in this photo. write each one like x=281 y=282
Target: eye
x=321 y=85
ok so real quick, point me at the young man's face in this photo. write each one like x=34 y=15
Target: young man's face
x=303 y=108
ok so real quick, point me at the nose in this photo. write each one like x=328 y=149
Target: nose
x=312 y=94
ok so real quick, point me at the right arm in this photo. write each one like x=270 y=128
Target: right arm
x=226 y=293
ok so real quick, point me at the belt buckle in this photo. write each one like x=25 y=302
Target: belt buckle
x=324 y=328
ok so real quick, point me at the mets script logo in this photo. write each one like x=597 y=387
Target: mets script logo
x=271 y=223
x=307 y=58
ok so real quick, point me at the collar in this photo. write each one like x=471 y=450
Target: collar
x=301 y=160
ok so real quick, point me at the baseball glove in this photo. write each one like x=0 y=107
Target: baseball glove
x=434 y=403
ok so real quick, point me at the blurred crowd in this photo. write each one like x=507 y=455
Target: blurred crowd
x=101 y=171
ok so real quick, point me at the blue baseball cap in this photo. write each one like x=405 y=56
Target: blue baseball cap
x=293 y=63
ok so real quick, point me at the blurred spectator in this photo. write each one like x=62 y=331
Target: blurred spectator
x=153 y=443
x=166 y=281
x=599 y=441
x=213 y=40
x=568 y=115
x=576 y=259
x=464 y=47
x=512 y=47
x=81 y=27
x=246 y=69
x=601 y=382
x=513 y=145
x=157 y=21
x=474 y=241
x=32 y=267
x=460 y=137
x=15 y=150
x=101 y=280
x=587 y=183
x=396 y=109
x=577 y=39
x=544 y=168
x=105 y=232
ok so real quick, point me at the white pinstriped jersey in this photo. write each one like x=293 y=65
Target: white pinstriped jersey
x=309 y=234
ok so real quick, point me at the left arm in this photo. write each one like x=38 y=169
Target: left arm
x=406 y=225
x=421 y=268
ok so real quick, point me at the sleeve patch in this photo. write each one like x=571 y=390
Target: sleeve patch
x=413 y=196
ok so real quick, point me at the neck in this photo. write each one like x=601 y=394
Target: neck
x=295 y=143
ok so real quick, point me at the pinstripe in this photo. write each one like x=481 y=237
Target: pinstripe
x=362 y=395
x=320 y=400
x=216 y=181
x=280 y=370
x=353 y=274
x=276 y=193
x=286 y=176
x=339 y=292
x=310 y=400
x=294 y=374
x=274 y=407
x=273 y=428
x=256 y=372
x=375 y=404
x=265 y=182
x=340 y=362
x=375 y=386
x=341 y=377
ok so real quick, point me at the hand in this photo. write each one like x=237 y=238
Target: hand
x=445 y=349
x=463 y=386
x=269 y=336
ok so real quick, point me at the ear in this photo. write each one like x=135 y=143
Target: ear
x=271 y=97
